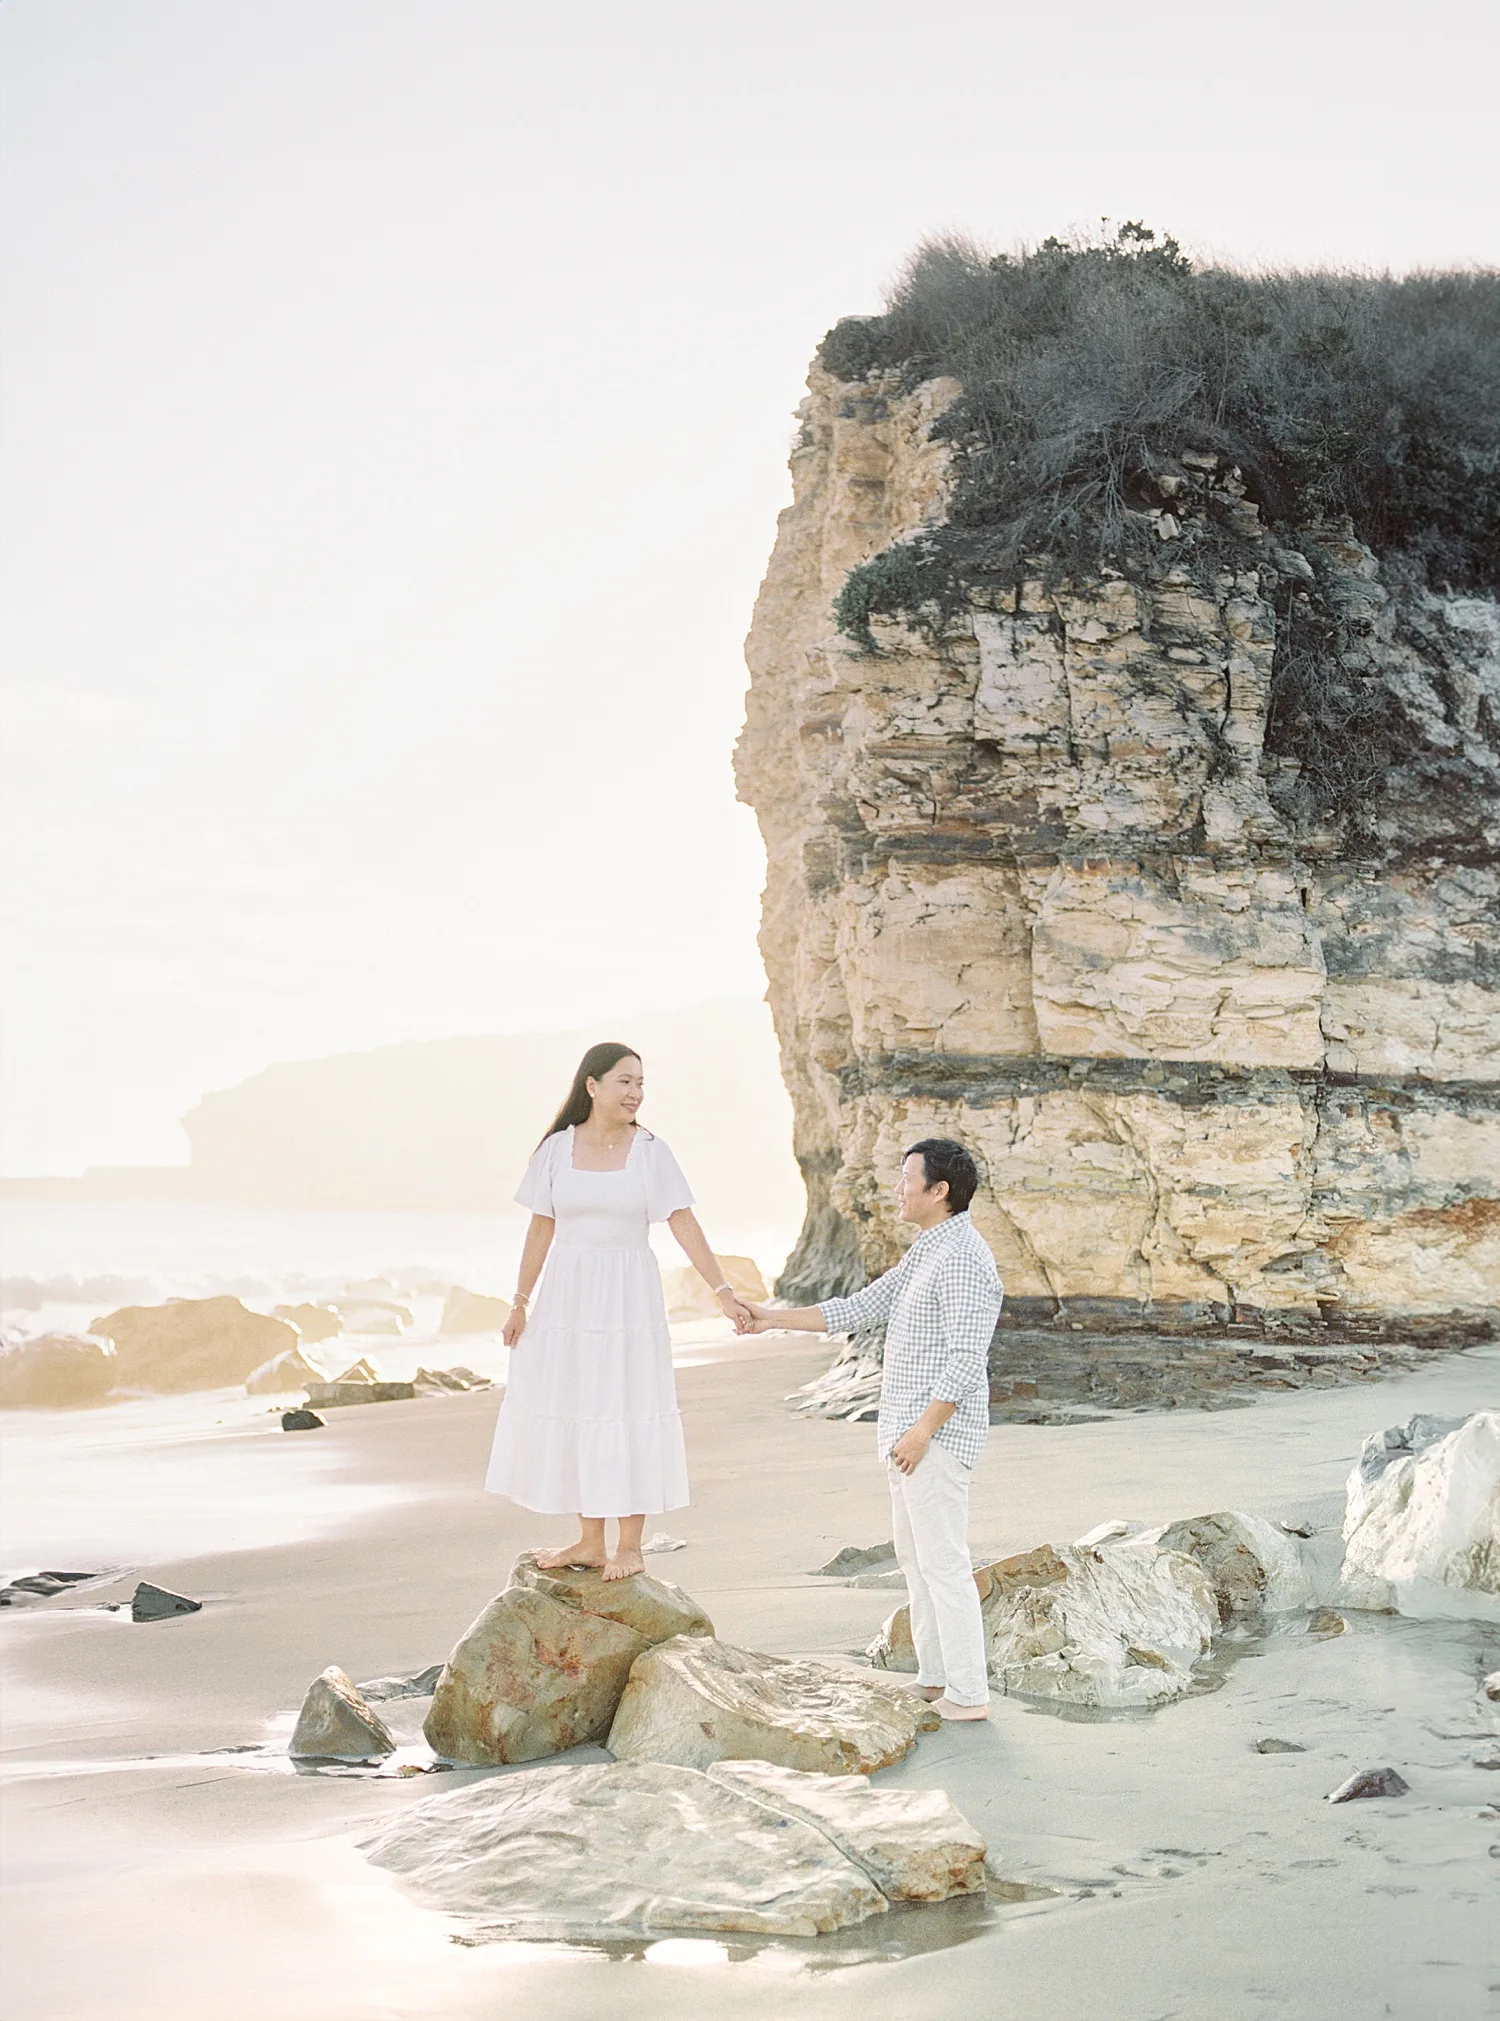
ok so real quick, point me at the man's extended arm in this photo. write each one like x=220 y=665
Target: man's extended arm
x=834 y=1315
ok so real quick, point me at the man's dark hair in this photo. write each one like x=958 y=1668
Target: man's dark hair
x=942 y=1158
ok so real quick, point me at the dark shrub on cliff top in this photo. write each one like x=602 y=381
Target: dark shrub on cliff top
x=1088 y=370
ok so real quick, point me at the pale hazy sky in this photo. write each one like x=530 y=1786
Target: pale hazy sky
x=396 y=406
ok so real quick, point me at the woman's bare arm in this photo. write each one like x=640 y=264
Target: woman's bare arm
x=533 y=1256
x=694 y=1245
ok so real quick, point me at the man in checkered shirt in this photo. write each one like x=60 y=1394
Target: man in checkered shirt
x=939 y=1305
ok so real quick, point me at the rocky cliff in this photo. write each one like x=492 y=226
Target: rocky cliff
x=1041 y=878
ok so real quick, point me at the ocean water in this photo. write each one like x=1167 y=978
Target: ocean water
x=151 y=1477
x=56 y=1259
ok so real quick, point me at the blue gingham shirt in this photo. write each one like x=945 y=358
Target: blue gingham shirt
x=940 y=1305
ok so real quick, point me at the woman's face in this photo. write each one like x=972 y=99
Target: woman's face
x=619 y=1093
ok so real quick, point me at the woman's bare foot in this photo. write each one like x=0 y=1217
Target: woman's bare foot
x=945 y=1708
x=624 y=1565
x=579 y=1554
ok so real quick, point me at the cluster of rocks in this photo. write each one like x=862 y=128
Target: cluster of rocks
x=211 y=1343
x=1123 y=1617
x=736 y=1800
x=564 y=1657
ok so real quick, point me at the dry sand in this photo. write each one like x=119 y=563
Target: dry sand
x=1195 y=1877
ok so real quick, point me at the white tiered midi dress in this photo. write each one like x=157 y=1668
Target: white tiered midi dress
x=590 y=1424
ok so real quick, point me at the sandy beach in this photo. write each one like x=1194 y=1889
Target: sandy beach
x=156 y=1872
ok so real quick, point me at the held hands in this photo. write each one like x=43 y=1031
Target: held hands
x=758 y=1319
x=734 y=1308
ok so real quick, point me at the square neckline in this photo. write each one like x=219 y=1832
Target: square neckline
x=604 y=1171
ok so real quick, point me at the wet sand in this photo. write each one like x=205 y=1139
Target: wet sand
x=1194 y=1876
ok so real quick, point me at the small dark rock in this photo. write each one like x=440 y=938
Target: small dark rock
x=1279 y=1747
x=155 y=1603
x=1370 y=1782
x=301 y=1421
x=1297 y=1529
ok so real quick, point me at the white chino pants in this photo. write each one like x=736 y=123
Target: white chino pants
x=930 y=1525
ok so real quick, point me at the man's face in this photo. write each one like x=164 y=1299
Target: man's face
x=917 y=1201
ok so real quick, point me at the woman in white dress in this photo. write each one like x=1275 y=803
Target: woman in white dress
x=589 y=1424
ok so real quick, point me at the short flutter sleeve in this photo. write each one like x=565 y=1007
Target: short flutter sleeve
x=666 y=1189
x=535 y=1190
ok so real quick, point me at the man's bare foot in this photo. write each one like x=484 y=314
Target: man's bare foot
x=945 y=1708
x=573 y=1555
x=624 y=1565
x=930 y=1692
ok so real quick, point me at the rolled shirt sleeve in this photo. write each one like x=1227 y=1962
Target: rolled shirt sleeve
x=868 y=1307
x=969 y=1299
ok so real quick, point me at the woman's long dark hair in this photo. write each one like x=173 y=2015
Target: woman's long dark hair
x=594 y=1065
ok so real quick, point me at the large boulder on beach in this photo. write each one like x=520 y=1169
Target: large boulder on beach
x=545 y=1664
x=641 y=1849
x=1120 y=1623
x=313 y=1322
x=688 y=1297
x=695 y=1701
x=282 y=1374
x=56 y=1371
x=531 y=1677
x=1253 y=1567
x=191 y=1343
x=472 y=1312
x=1422 y=1519
x=335 y=1723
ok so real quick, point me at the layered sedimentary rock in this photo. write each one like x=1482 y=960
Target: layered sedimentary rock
x=1037 y=882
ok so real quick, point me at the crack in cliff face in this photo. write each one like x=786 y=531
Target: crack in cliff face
x=1046 y=881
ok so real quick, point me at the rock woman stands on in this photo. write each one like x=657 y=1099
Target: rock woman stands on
x=590 y=1421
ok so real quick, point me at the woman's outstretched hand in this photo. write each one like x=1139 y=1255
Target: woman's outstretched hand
x=515 y=1325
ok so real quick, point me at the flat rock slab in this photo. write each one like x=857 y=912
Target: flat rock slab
x=418 y=1684
x=637 y=1849
x=334 y=1395
x=695 y=1701
x=335 y=1724
x=155 y=1603
x=915 y=1844
x=855 y=1558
